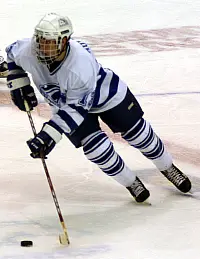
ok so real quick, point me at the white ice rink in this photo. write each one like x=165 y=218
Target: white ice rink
x=161 y=64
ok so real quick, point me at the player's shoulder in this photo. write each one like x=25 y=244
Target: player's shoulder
x=19 y=46
x=80 y=58
x=78 y=45
x=78 y=65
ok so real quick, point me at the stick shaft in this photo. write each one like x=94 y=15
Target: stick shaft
x=48 y=177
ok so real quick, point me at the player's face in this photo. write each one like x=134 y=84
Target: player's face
x=48 y=48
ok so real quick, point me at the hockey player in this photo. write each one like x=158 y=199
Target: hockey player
x=3 y=67
x=80 y=91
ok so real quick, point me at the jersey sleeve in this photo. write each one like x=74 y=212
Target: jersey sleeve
x=13 y=57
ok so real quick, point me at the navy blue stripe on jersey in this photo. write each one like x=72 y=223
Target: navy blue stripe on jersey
x=84 y=45
x=112 y=85
x=99 y=150
x=68 y=120
x=13 y=66
x=102 y=73
x=16 y=76
x=144 y=138
x=83 y=112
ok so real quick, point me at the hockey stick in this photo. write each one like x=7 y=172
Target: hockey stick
x=63 y=238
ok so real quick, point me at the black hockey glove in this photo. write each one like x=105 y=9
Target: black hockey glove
x=21 y=90
x=42 y=144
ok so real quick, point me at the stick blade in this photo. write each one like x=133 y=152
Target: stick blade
x=64 y=240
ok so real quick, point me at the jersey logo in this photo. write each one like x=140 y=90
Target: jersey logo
x=52 y=94
x=87 y=100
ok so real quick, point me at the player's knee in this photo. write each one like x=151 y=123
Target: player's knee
x=135 y=131
x=97 y=147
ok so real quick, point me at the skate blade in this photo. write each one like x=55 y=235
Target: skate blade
x=147 y=203
x=144 y=203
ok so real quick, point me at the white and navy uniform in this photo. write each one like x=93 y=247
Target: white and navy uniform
x=77 y=86
x=79 y=90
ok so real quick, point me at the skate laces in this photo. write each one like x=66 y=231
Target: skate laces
x=174 y=175
x=137 y=187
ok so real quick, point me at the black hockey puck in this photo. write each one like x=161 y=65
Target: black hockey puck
x=26 y=243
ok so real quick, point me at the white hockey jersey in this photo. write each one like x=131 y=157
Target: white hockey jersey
x=78 y=86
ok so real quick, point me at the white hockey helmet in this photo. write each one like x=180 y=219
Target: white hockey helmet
x=48 y=36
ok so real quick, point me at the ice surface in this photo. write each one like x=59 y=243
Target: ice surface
x=102 y=219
